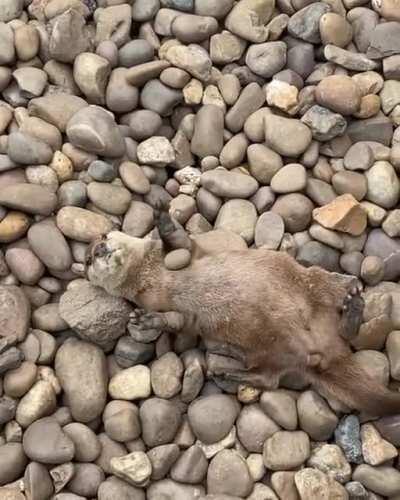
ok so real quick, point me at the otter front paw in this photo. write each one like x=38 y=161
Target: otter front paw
x=145 y=326
x=352 y=312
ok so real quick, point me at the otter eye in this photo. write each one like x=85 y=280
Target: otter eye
x=88 y=260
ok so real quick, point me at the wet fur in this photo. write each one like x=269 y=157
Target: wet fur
x=282 y=317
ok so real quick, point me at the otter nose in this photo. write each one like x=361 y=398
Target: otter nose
x=100 y=250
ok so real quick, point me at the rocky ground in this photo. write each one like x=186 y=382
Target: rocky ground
x=261 y=124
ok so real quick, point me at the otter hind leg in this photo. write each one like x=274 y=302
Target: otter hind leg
x=259 y=379
x=352 y=313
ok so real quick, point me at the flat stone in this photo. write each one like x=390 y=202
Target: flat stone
x=81 y=224
x=15 y=312
x=168 y=488
x=227 y=184
x=250 y=100
x=254 y=427
x=269 y=231
x=94 y=130
x=160 y=421
x=81 y=370
x=238 y=216
x=248 y=18
x=69 y=37
x=38 y=402
x=286 y=450
x=7 y=44
x=209 y=409
x=383 y=185
x=349 y=60
x=315 y=416
x=56 y=109
x=290 y=178
x=13 y=462
x=383 y=480
x=266 y=59
x=192 y=58
x=228 y=474
x=49 y=244
x=278 y=130
x=304 y=24
x=384 y=40
x=208 y=132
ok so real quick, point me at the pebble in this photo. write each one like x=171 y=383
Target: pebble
x=313 y=484
x=190 y=467
x=239 y=217
x=269 y=231
x=130 y=384
x=57 y=448
x=289 y=179
x=248 y=19
x=330 y=459
x=121 y=421
x=134 y=468
x=375 y=449
x=383 y=480
x=315 y=416
x=225 y=184
x=287 y=136
x=38 y=402
x=228 y=474
x=81 y=224
x=207 y=138
x=324 y=124
x=160 y=421
x=156 y=151
x=266 y=59
x=13 y=462
x=48 y=243
x=87 y=445
x=30 y=198
x=295 y=210
x=192 y=58
x=383 y=185
x=94 y=130
x=211 y=417
x=81 y=370
x=254 y=427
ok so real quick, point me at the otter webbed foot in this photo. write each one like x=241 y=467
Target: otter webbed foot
x=149 y=325
x=352 y=312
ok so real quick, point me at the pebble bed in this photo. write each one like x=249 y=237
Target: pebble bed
x=261 y=122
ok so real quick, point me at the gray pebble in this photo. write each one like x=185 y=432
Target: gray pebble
x=160 y=421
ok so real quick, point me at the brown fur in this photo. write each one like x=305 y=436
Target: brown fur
x=283 y=317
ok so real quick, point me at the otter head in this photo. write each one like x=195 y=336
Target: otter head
x=112 y=259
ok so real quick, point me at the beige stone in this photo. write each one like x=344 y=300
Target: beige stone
x=375 y=449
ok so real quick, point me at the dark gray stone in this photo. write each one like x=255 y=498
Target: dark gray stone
x=347 y=436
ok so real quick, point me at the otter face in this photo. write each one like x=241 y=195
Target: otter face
x=112 y=258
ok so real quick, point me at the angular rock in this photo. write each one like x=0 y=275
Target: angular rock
x=343 y=214
x=95 y=315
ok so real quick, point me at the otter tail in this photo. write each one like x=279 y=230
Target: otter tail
x=349 y=383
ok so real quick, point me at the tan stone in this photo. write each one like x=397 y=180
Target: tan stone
x=388 y=9
x=343 y=214
x=313 y=484
x=375 y=449
x=283 y=96
x=13 y=226
x=369 y=106
x=335 y=29
x=63 y=166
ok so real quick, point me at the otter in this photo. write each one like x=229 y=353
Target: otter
x=259 y=306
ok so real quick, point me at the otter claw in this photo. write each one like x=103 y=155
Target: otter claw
x=352 y=312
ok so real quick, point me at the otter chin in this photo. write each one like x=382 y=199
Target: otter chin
x=257 y=305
